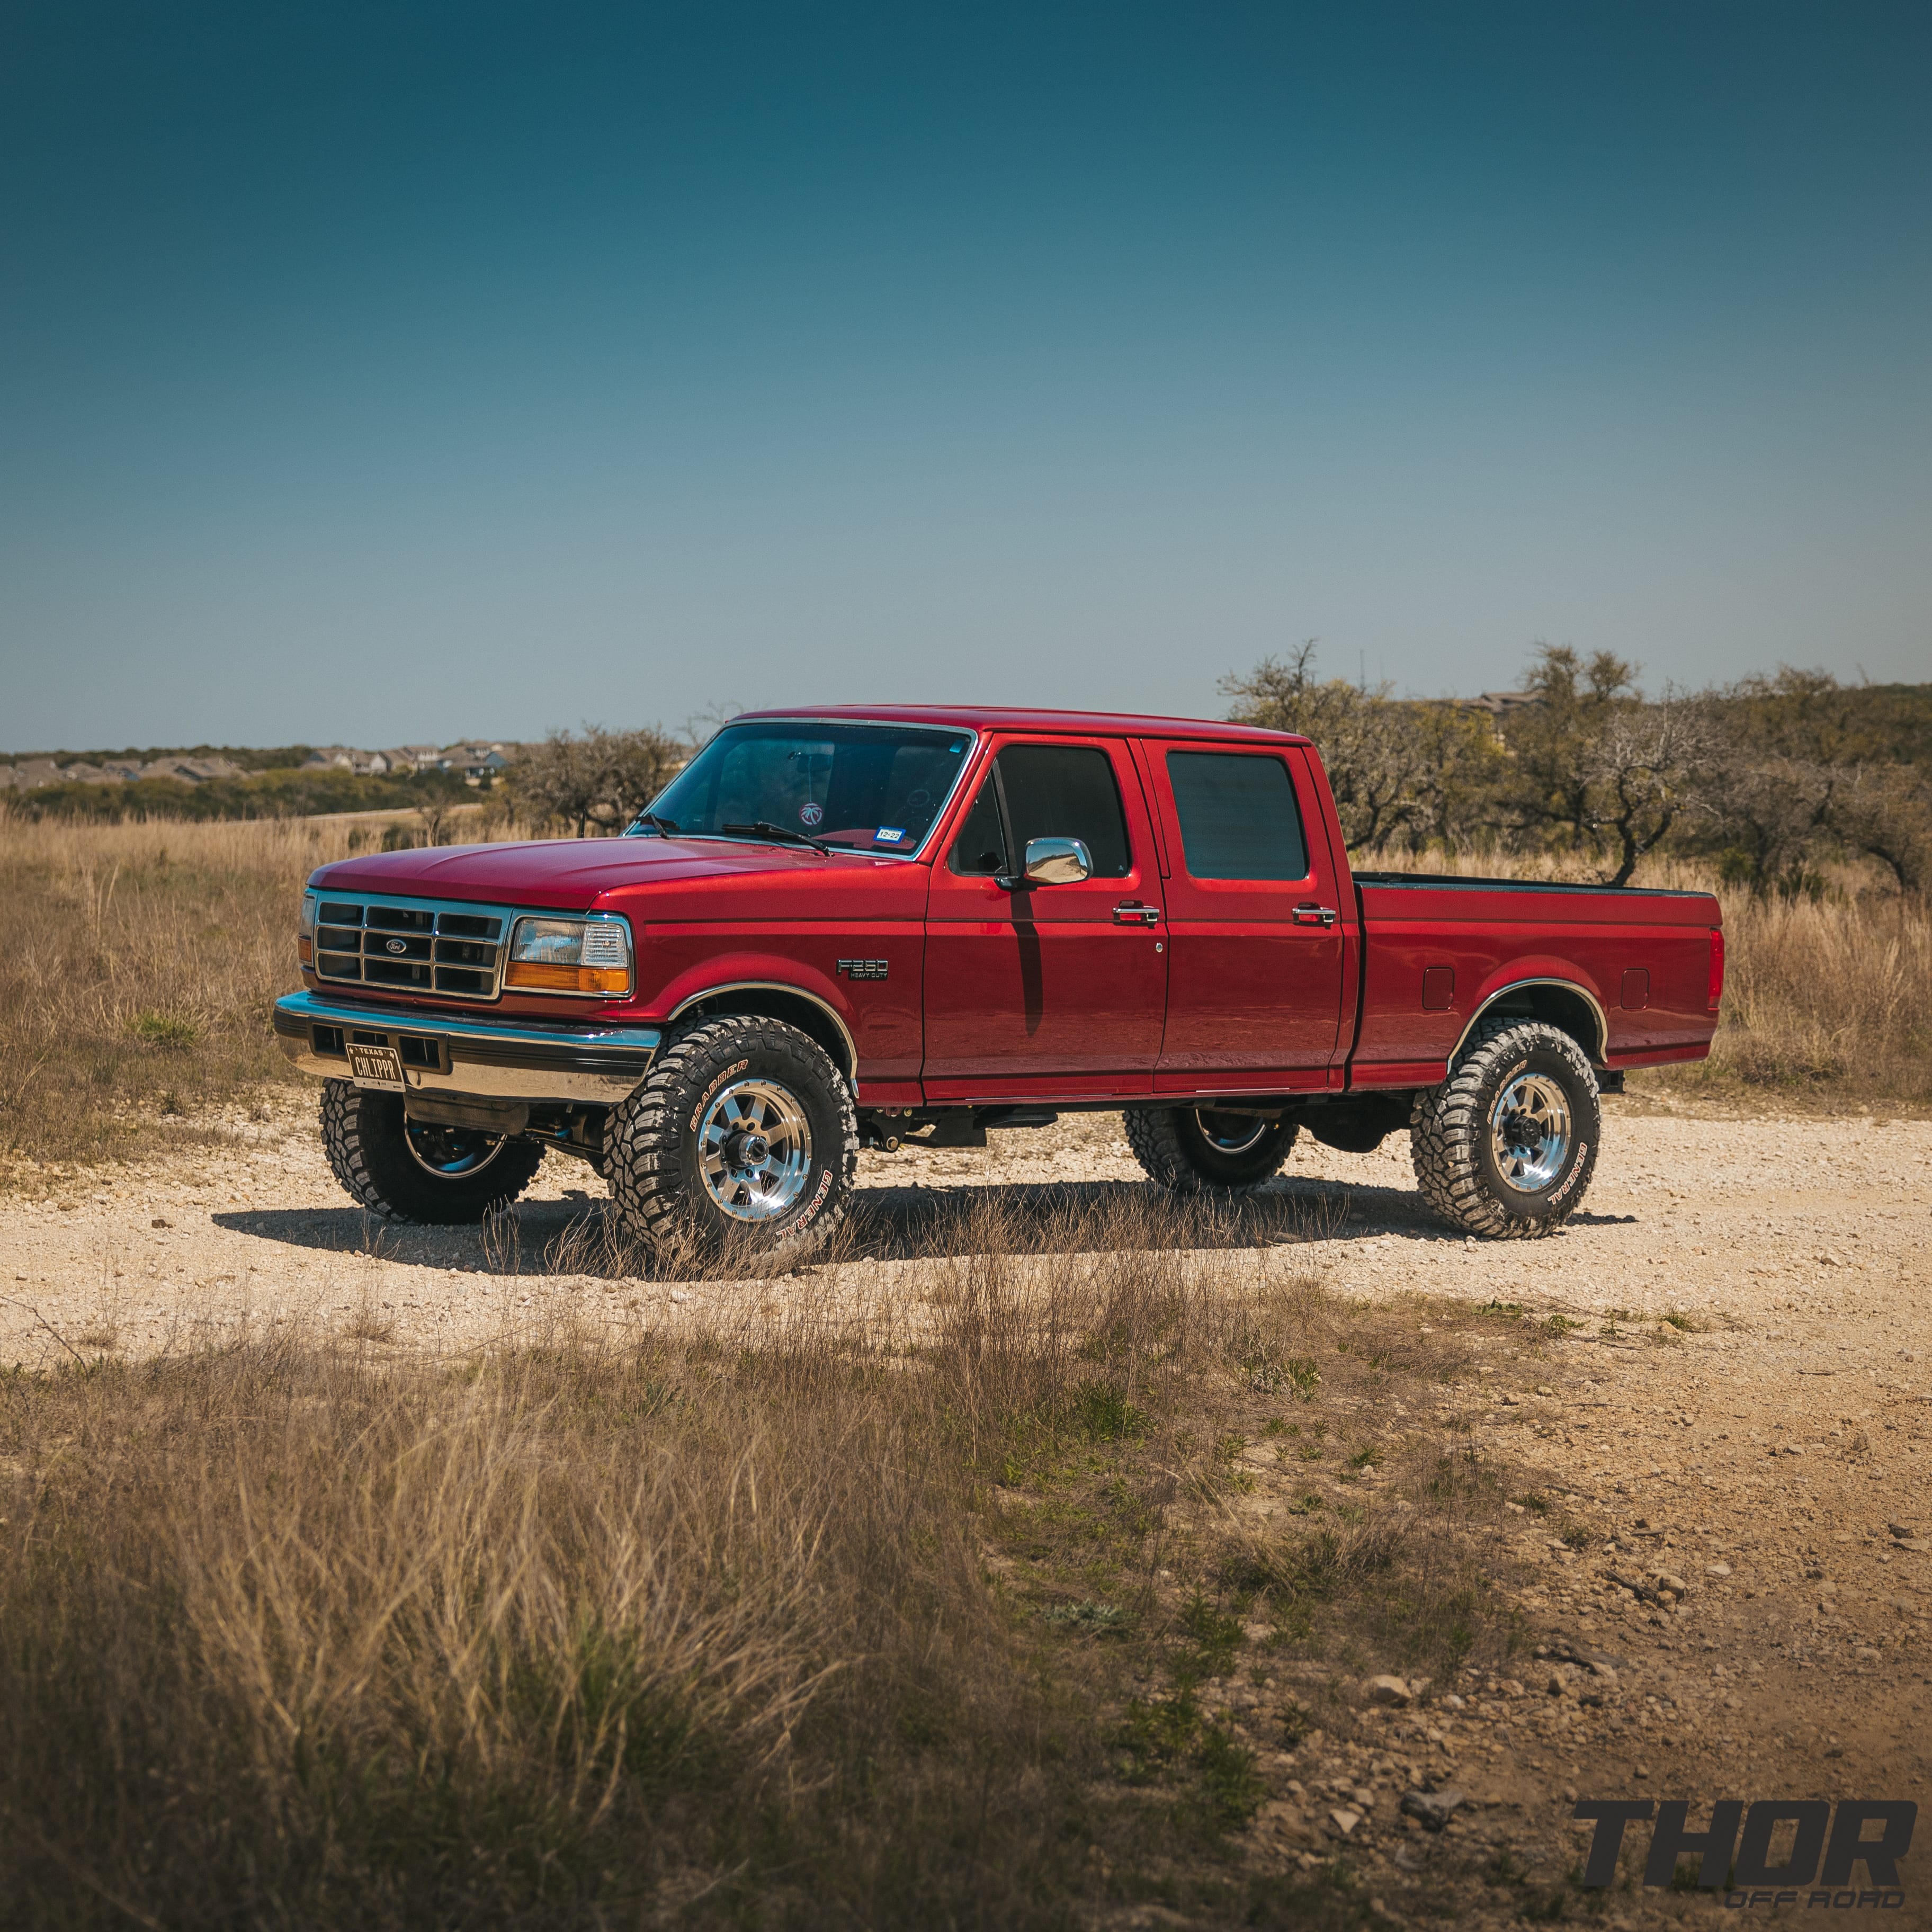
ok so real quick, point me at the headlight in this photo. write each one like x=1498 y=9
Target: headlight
x=570 y=955
x=305 y=931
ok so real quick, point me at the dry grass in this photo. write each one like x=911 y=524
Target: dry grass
x=795 y=1624
x=142 y=963
x=1828 y=1001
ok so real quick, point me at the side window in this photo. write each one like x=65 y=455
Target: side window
x=1066 y=791
x=980 y=850
x=1238 y=816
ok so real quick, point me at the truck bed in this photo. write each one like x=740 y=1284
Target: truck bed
x=1632 y=966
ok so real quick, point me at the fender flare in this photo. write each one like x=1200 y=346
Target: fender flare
x=790 y=991
x=1597 y=1051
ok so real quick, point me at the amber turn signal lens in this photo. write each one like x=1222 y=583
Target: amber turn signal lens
x=305 y=950
x=533 y=976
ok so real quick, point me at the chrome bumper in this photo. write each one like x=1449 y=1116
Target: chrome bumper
x=491 y=1059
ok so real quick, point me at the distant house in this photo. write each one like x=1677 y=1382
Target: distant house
x=1500 y=704
x=478 y=762
x=190 y=771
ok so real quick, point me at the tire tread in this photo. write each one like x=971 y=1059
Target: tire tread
x=643 y=1162
x=1445 y=1121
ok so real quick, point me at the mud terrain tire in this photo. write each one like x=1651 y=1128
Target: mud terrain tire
x=1178 y=1148
x=392 y=1167
x=1506 y=1146
x=743 y=1134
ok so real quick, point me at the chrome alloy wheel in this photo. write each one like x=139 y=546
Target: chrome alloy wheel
x=755 y=1149
x=450 y=1154
x=1230 y=1133
x=1529 y=1127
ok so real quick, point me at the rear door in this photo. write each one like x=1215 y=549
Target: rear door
x=1254 y=921
x=1046 y=989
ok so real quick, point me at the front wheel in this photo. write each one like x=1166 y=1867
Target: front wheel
x=745 y=1133
x=407 y=1170
x=1202 y=1150
x=1507 y=1145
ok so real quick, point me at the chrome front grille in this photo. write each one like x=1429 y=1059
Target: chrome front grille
x=413 y=945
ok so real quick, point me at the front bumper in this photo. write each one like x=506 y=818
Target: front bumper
x=489 y=1059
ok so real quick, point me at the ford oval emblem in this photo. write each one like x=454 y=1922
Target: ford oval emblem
x=395 y=946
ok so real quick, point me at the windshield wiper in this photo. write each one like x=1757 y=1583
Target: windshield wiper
x=663 y=827
x=763 y=828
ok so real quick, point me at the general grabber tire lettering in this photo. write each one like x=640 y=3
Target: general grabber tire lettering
x=1505 y=1147
x=744 y=1131
x=1204 y=1152
x=407 y=1171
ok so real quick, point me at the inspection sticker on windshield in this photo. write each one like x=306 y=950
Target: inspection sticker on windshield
x=889 y=835
x=810 y=813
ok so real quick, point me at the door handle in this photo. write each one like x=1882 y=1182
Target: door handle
x=1131 y=912
x=1315 y=915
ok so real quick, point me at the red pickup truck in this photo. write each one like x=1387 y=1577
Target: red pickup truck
x=895 y=926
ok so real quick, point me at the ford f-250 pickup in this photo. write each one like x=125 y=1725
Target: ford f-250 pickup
x=897 y=926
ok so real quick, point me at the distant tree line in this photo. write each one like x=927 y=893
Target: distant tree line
x=270 y=793
x=1769 y=777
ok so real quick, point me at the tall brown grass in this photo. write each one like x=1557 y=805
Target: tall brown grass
x=142 y=962
x=1827 y=1001
x=784 y=1624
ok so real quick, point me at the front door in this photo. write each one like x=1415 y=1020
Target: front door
x=1254 y=927
x=1046 y=990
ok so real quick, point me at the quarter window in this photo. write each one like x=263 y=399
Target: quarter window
x=1238 y=816
x=980 y=850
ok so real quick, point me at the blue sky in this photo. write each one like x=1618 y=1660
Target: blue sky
x=381 y=374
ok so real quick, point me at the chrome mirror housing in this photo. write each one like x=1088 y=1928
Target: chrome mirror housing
x=1058 y=861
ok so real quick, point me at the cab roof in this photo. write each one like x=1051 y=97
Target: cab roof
x=1014 y=717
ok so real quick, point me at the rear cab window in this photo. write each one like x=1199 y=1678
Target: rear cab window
x=1238 y=816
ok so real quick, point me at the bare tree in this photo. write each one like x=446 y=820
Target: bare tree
x=1770 y=813
x=1643 y=775
x=1884 y=811
x=598 y=778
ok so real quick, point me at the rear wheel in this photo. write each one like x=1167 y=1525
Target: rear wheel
x=409 y=1170
x=1202 y=1150
x=745 y=1133
x=1507 y=1145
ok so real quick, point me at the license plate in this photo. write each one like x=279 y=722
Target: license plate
x=377 y=1066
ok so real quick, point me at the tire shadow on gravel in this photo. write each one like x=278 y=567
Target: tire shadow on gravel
x=580 y=1236
x=510 y=1244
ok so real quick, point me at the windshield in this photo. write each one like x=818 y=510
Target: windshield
x=861 y=788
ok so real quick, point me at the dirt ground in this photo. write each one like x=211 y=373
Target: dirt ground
x=1744 y=1404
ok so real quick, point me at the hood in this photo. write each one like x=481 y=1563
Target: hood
x=572 y=874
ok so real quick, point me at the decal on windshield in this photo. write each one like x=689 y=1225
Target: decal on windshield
x=889 y=835
x=810 y=814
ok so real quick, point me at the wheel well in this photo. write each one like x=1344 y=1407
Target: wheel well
x=1567 y=1008
x=817 y=1022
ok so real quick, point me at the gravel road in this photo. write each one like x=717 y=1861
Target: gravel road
x=1744 y=1404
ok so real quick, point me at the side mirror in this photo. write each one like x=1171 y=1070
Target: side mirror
x=1058 y=861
